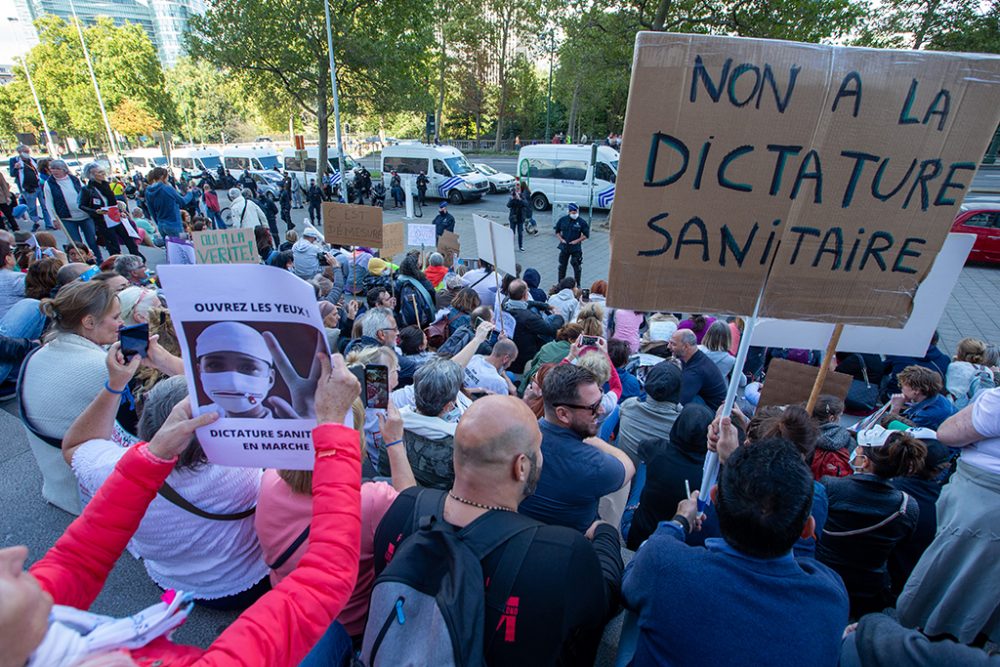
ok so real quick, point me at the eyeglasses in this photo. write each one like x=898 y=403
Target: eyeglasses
x=573 y=406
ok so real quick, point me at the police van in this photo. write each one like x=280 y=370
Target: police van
x=562 y=173
x=254 y=157
x=194 y=160
x=451 y=176
x=144 y=159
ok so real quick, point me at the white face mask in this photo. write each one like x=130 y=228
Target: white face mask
x=236 y=392
x=574 y=216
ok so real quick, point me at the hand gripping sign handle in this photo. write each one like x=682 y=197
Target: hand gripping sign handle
x=710 y=472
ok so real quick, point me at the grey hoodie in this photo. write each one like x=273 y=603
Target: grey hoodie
x=565 y=303
x=833 y=436
x=306 y=259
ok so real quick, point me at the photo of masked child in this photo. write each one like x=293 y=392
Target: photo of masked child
x=255 y=370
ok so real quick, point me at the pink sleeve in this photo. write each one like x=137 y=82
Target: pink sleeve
x=615 y=383
x=284 y=625
x=75 y=568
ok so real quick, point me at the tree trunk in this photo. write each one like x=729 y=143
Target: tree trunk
x=323 y=124
x=500 y=112
x=662 y=9
x=925 y=23
x=574 y=103
x=441 y=86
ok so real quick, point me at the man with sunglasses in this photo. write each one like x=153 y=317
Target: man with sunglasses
x=579 y=468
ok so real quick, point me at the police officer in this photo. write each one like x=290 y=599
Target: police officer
x=422 y=182
x=444 y=221
x=571 y=230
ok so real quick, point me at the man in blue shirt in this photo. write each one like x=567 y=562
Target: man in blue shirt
x=571 y=231
x=579 y=468
x=771 y=608
x=700 y=377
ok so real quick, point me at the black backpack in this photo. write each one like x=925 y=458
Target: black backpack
x=429 y=604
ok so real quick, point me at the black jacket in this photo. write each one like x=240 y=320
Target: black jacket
x=517 y=207
x=857 y=504
x=94 y=197
x=531 y=333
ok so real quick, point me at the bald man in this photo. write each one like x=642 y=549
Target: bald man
x=567 y=585
x=488 y=374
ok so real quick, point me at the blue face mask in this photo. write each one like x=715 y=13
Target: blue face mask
x=452 y=415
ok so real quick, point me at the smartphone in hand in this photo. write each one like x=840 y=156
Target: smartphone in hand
x=376 y=386
x=589 y=341
x=134 y=340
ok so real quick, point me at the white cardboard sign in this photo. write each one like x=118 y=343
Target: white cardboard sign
x=421 y=235
x=912 y=340
x=495 y=238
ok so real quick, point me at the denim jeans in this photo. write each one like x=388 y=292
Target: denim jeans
x=23 y=320
x=332 y=650
x=75 y=227
x=34 y=201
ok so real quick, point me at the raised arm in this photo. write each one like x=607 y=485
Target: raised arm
x=97 y=422
x=464 y=356
x=284 y=625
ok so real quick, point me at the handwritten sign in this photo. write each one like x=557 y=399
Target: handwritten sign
x=421 y=235
x=392 y=240
x=449 y=246
x=226 y=246
x=833 y=172
x=352 y=224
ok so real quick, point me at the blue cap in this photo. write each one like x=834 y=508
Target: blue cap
x=574 y=207
x=443 y=204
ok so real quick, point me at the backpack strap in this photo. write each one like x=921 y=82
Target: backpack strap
x=54 y=442
x=884 y=522
x=428 y=503
x=170 y=493
x=864 y=369
x=292 y=548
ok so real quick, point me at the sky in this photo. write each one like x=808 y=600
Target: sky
x=11 y=44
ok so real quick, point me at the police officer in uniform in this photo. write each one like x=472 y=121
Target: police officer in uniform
x=444 y=221
x=571 y=231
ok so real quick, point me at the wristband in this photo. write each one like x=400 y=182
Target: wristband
x=682 y=520
x=394 y=442
x=107 y=385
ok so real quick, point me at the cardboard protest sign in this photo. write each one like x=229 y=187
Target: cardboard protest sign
x=352 y=224
x=180 y=251
x=392 y=240
x=912 y=340
x=449 y=246
x=492 y=238
x=421 y=235
x=249 y=336
x=789 y=383
x=226 y=246
x=836 y=170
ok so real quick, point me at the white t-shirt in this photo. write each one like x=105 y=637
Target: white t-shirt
x=985 y=454
x=211 y=559
x=481 y=374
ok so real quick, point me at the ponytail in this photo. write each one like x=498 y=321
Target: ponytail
x=698 y=322
x=902 y=455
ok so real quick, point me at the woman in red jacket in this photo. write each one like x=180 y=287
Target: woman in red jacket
x=280 y=629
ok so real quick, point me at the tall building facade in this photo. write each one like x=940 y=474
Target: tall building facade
x=165 y=21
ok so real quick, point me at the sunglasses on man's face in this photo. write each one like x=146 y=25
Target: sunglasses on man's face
x=573 y=406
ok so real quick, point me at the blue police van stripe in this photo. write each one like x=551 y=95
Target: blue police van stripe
x=452 y=182
x=606 y=197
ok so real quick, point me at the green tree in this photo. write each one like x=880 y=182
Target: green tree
x=132 y=120
x=126 y=67
x=915 y=23
x=208 y=102
x=279 y=46
x=978 y=32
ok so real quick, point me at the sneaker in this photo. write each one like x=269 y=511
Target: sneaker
x=35 y=227
x=521 y=248
x=8 y=390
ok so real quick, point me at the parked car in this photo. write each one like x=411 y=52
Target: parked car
x=268 y=183
x=983 y=220
x=498 y=180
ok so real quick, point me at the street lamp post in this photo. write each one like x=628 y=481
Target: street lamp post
x=548 y=105
x=336 y=103
x=112 y=145
x=38 y=104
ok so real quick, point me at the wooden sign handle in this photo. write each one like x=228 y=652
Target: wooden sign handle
x=824 y=368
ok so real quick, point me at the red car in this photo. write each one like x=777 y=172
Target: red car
x=983 y=220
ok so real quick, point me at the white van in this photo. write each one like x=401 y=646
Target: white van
x=560 y=174
x=194 y=160
x=451 y=175
x=256 y=157
x=144 y=159
x=306 y=169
